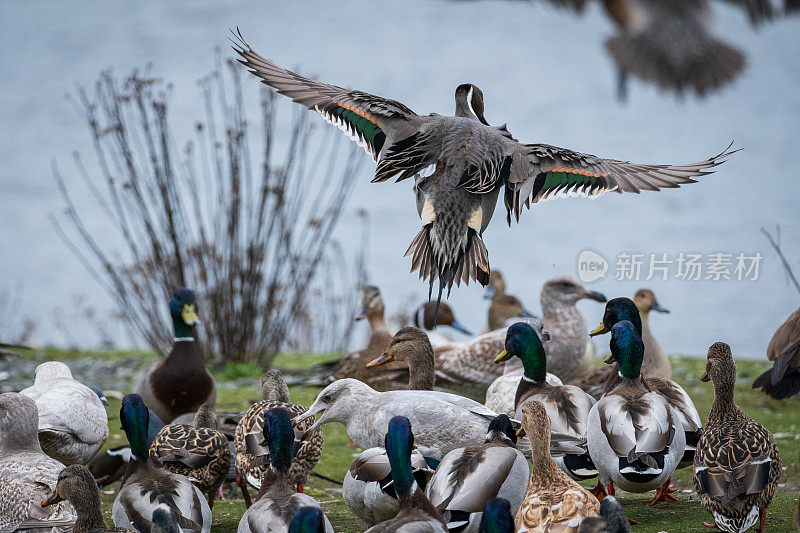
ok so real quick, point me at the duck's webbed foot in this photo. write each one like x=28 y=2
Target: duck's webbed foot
x=663 y=494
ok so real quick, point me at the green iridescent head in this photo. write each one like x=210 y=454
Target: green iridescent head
x=135 y=418
x=523 y=342
x=618 y=309
x=308 y=520
x=399 y=443
x=497 y=517
x=279 y=436
x=627 y=349
x=183 y=310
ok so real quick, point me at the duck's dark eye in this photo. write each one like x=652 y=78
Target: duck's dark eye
x=327 y=398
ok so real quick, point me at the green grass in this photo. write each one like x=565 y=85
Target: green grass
x=781 y=417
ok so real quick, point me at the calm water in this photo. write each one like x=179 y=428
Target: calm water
x=543 y=71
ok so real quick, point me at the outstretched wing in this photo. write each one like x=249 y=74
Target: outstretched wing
x=365 y=118
x=542 y=172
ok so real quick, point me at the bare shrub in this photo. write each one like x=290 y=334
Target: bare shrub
x=253 y=240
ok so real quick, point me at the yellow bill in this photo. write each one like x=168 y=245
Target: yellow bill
x=504 y=356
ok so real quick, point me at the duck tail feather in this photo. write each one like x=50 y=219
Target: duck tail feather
x=693 y=60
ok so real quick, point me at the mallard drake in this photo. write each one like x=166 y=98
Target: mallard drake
x=109 y=466
x=783 y=379
x=73 y=424
x=427 y=319
x=146 y=485
x=501 y=393
x=198 y=451
x=567 y=406
x=620 y=309
x=444 y=421
x=354 y=365
x=467 y=478
x=277 y=502
x=252 y=459
x=737 y=465
x=76 y=485
x=27 y=475
x=656 y=362
x=497 y=517
x=473 y=361
x=504 y=307
x=611 y=520
x=415 y=512
x=459 y=164
x=308 y=520
x=179 y=384
x=565 y=323
x=553 y=501
x=368 y=489
x=635 y=436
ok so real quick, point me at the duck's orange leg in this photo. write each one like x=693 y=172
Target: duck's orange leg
x=245 y=494
x=599 y=491
x=663 y=494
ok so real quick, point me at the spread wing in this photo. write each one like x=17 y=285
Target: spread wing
x=542 y=172
x=367 y=119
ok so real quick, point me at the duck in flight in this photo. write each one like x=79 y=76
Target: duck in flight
x=459 y=164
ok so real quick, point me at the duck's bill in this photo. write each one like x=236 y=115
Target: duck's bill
x=308 y=414
x=655 y=306
x=359 y=316
x=458 y=326
x=610 y=359
x=52 y=499
x=521 y=432
x=503 y=356
x=527 y=314
x=599 y=330
x=189 y=316
x=381 y=360
x=596 y=296
x=705 y=377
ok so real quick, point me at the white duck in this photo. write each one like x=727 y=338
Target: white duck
x=442 y=421
x=635 y=437
x=73 y=424
x=27 y=475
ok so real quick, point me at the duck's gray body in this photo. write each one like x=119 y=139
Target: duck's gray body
x=471 y=161
x=268 y=515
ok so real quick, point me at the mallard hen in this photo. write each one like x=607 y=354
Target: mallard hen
x=737 y=465
x=198 y=451
x=553 y=501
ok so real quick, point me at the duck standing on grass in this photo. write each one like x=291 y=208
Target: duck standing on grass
x=27 y=475
x=252 y=459
x=179 y=384
x=635 y=436
x=198 y=451
x=553 y=502
x=620 y=309
x=567 y=406
x=737 y=465
x=277 y=502
x=459 y=164
x=147 y=485
x=468 y=478
x=416 y=513
x=76 y=485
x=73 y=423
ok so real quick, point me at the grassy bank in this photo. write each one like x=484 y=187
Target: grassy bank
x=237 y=386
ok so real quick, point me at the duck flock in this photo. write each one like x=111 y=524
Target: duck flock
x=433 y=461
